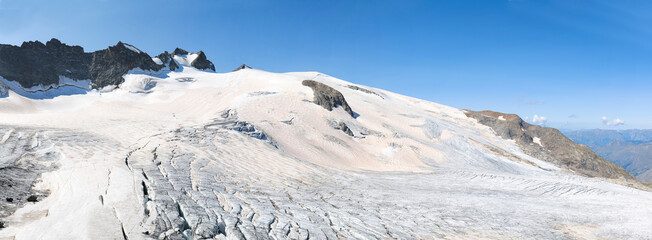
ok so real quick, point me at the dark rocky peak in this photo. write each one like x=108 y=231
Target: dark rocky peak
x=54 y=43
x=179 y=51
x=164 y=57
x=125 y=49
x=109 y=65
x=32 y=45
x=243 y=66
x=549 y=144
x=173 y=65
x=202 y=63
x=327 y=97
x=34 y=63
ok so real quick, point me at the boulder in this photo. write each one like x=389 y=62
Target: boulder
x=327 y=97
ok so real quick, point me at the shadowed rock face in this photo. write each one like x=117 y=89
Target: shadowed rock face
x=327 y=97
x=109 y=65
x=550 y=145
x=35 y=63
x=202 y=63
x=179 y=51
x=166 y=58
x=173 y=65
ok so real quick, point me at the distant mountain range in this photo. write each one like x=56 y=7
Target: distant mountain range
x=630 y=149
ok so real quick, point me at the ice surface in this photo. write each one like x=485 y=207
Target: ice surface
x=246 y=155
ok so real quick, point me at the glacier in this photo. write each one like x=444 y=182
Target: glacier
x=193 y=154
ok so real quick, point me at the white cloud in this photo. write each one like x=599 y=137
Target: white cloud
x=615 y=122
x=539 y=120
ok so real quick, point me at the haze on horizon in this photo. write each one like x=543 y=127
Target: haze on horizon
x=564 y=64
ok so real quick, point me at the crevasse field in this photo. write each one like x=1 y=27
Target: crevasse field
x=247 y=155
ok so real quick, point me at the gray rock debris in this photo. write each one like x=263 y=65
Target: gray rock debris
x=339 y=125
x=327 y=97
x=229 y=121
x=24 y=155
x=364 y=90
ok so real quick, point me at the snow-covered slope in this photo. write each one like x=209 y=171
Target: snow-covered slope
x=247 y=154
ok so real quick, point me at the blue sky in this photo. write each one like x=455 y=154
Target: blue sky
x=573 y=62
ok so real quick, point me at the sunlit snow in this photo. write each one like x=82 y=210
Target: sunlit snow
x=246 y=154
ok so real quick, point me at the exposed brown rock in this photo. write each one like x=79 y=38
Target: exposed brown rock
x=555 y=147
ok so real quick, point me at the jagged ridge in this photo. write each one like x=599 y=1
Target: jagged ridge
x=36 y=64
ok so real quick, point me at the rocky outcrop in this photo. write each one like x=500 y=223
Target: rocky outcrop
x=340 y=125
x=108 y=66
x=364 y=90
x=327 y=97
x=550 y=145
x=164 y=57
x=167 y=59
x=202 y=63
x=179 y=51
x=34 y=63
x=173 y=65
x=243 y=66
